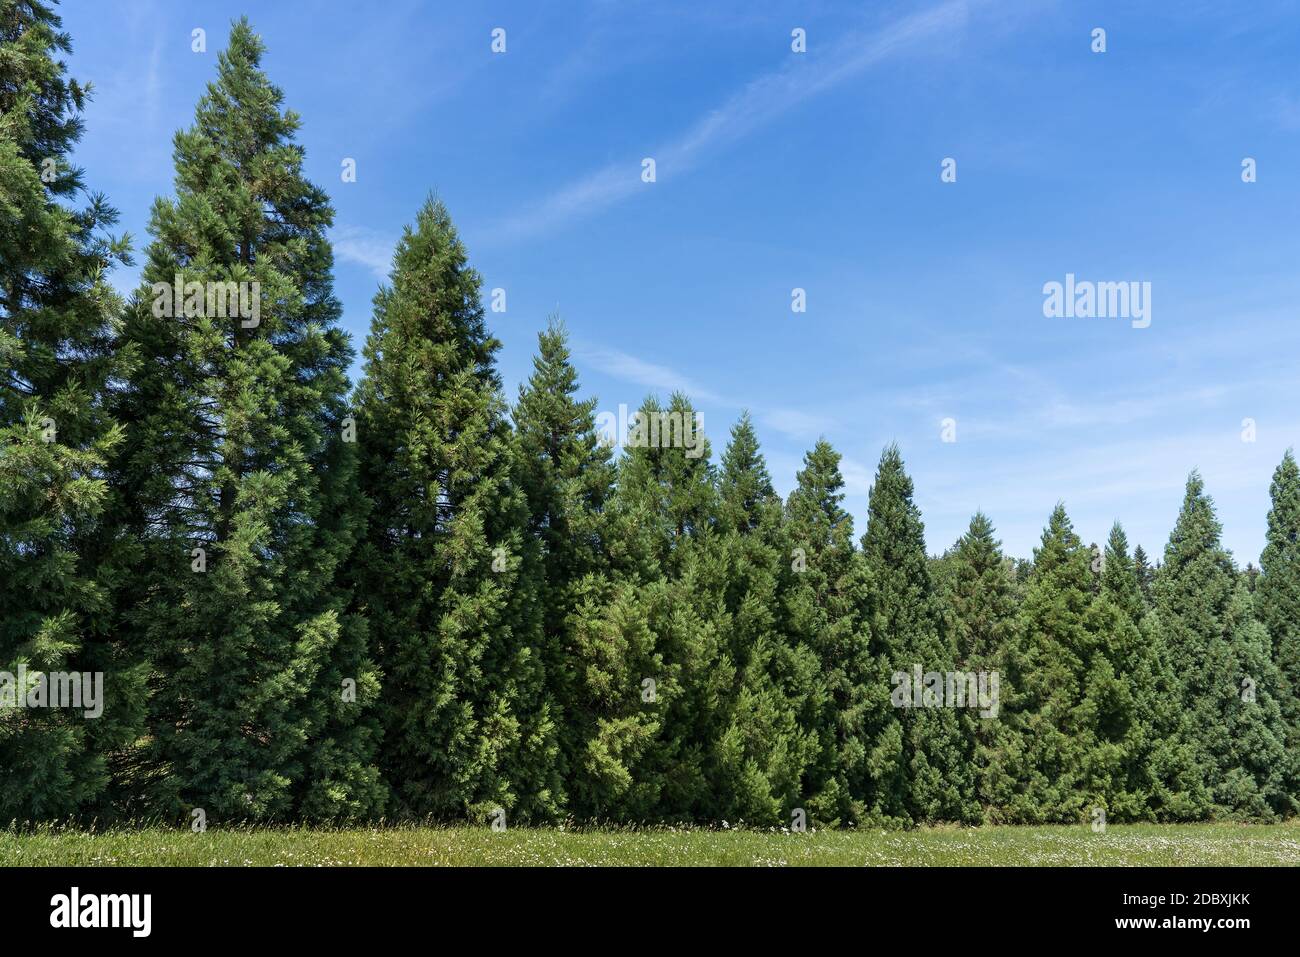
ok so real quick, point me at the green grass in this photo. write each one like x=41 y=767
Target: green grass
x=1125 y=845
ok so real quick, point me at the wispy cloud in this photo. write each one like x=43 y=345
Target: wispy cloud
x=795 y=424
x=791 y=423
x=621 y=365
x=756 y=104
x=364 y=247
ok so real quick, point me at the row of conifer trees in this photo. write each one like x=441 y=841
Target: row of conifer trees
x=410 y=599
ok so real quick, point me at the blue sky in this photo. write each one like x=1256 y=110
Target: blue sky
x=820 y=170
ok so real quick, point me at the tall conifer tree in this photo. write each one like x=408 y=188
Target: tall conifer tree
x=1154 y=773
x=857 y=773
x=1222 y=657
x=1277 y=597
x=444 y=572
x=58 y=319
x=238 y=477
x=980 y=609
x=677 y=478
x=1082 y=681
x=763 y=750
x=651 y=655
x=907 y=630
x=566 y=472
x=1038 y=774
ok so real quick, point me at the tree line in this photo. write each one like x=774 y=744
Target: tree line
x=412 y=599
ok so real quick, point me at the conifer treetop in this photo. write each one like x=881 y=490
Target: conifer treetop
x=744 y=481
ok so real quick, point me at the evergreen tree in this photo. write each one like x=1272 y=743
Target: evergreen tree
x=622 y=746
x=445 y=570
x=908 y=630
x=678 y=480
x=671 y=483
x=980 y=611
x=1277 y=598
x=1083 y=693
x=1022 y=570
x=650 y=636
x=978 y=596
x=1038 y=776
x=1120 y=580
x=760 y=758
x=58 y=318
x=1140 y=768
x=238 y=478
x=1145 y=574
x=1221 y=656
x=566 y=473
x=857 y=772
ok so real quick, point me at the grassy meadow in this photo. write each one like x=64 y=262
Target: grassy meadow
x=1120 y=845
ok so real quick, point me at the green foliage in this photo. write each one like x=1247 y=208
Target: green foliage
x=1221 y=657
x=1145 y=574
x=423 y=606
x=58 y=319
x=235 y=448
x=763 y=750
x=444 y=574
x=979 y=610
x=1151 y=772
x=857 y=773
x=1068 y=710
x=566 y=473
x=907 y=630
x=1277 y=596
x=649 y=638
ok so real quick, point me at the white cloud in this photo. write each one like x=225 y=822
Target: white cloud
x=757 y=103
x=620 y=365
x=797 y=425
x=792 y=423
x=364 y=247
